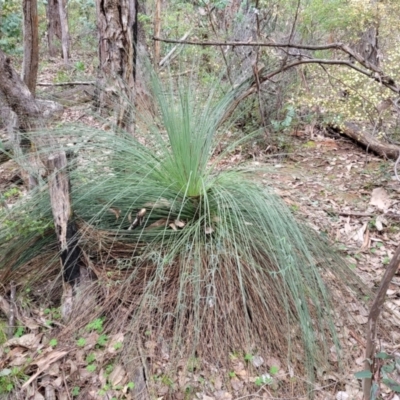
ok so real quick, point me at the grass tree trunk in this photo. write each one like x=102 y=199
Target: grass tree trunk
x=117 y=28
x=31 y=45
x=65 y=227
x=54 y=33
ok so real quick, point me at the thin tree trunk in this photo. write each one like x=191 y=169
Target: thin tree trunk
x=65 y=42
x=373 y=317
x=31 y=45
x=157 y=33
x=54 y=33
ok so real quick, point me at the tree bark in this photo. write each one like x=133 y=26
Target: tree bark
x=31 y=45
x=368 y=46
x=157 y=33
x=118 y=30
x=30 y=114
x=65 y=40
x=18 y=96
x=54 y=34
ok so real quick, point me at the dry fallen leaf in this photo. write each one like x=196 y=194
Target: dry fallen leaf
x=115 y=343
x=30 y=341
x=44 y=363
x=380 y=199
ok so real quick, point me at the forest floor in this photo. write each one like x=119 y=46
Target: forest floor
x=340 y=190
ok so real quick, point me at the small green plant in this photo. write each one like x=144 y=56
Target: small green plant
x=248 y=357
x=102 y=340
x=387 y=366
x=81 y=342
x=75 y=391
x=19 y=332
x=273 y=370
x=286 y=123
x=104 y=390
x=90 y=358
x=109 y=368
x=167 y=381
x=80 y=66
x=91 y=367
x=232 y=374
x=10 y=193
x=263 y=380
x=386 y=260
x=96 y=325
x=53 y=342
x=61 y=77
x=130 y=385
x=118 y=345
x=10 y=377
x=53 y=313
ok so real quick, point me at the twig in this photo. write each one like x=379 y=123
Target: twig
x=395 y=167
x=172 y=51
x=138 y=220
x=11 y=316
x=66 y=83
x=350 y=213
x=373 y=316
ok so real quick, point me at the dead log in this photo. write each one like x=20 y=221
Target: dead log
x=369 y=142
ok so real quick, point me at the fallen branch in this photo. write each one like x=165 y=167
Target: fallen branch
x=66 y=83
x=371 y=143
x=11 y=316
x=373 y=316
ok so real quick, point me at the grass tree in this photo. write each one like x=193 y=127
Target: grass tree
x=205 y=258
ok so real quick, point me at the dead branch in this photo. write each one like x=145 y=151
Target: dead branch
x=172 y=51
x=66 y=83
x=373 y=316
x=373 y=71
x=12 y=311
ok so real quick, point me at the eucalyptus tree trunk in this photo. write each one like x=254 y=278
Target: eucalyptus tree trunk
x=31 y=45
x=368 y=45
x=118 y=30
x=65 y=39
x=54 y=34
